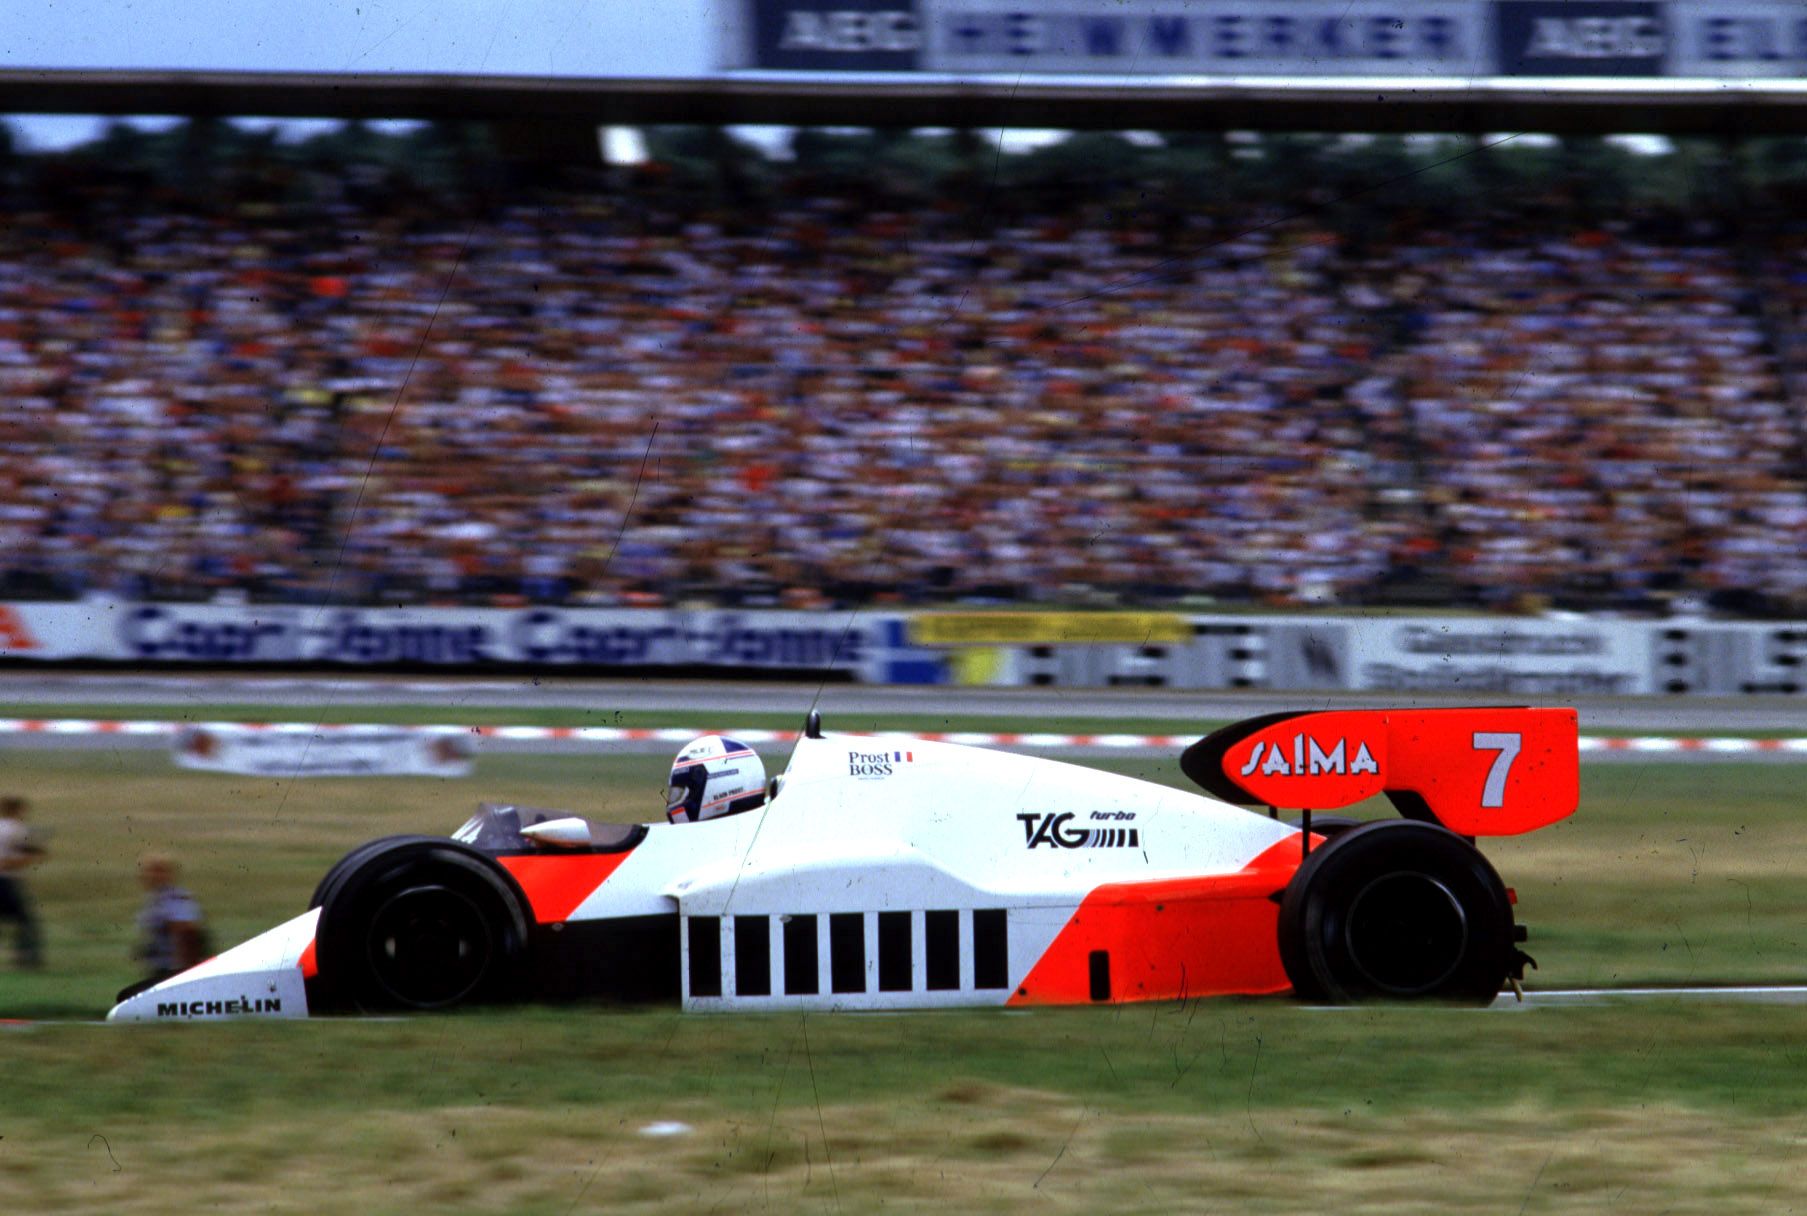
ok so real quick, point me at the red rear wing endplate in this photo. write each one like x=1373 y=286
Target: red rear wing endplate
x=1478 y=772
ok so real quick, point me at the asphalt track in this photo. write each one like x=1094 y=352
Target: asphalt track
x=1624 y=730
x=721 y=699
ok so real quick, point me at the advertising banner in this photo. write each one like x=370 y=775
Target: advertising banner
x=837 y=35
x=1047 y=628
x=1516 y=658
x=867 y=646
x=1739 y=40
x=1493 y=656
x=1207 y=37
x=322 y=751
x=1582 y=38
x=1445 y=40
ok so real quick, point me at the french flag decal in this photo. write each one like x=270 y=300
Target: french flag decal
x=902 y=757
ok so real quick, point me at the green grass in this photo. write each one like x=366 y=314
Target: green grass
x=1169 y=1058
x=1261 y=1106
x=1669 y=873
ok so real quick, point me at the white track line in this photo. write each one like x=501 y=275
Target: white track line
x=1765 y=994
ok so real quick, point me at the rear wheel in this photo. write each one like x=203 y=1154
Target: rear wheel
x=1328 y=826
x=420 y=923
x=1396 y=910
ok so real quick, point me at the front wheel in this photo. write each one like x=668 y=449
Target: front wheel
x=349 y=864
x=420 y=924
x=1397 y=910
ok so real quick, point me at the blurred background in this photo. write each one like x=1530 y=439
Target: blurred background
x=1303 y=340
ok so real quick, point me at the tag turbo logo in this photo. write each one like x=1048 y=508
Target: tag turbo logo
x=1056 y=832
x=1309 y=759
x=872 y=765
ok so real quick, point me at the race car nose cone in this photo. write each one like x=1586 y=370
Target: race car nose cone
x=258 y=978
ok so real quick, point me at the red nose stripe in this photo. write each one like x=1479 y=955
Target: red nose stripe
x=556 y=885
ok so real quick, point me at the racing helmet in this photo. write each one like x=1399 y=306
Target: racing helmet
x=711 y=777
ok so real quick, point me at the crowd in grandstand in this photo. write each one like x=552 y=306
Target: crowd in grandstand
x=340 y=393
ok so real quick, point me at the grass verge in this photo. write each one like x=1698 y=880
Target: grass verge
x=1203 y=1106
x=1669 y=873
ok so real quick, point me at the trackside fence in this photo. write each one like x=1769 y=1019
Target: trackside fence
x=1503 y=656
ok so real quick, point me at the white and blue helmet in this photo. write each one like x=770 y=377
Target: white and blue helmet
x=714 y=776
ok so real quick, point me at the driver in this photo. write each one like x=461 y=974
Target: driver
x=714 y=776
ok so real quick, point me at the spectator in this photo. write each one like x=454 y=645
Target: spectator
x=171 y=928
x=19 y=850
x=627 y=396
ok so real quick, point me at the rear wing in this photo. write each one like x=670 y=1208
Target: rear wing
x=1478 y=772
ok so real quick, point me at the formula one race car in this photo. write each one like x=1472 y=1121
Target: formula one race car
x=886 y=872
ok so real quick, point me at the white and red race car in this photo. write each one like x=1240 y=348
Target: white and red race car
x=891 y=872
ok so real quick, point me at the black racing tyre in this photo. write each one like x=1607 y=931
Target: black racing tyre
x=347 y=864
x=420 y=923
x=1396 y=910
x=1328 y=826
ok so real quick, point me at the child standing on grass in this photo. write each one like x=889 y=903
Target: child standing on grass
x=17 y=852
x=172 y=932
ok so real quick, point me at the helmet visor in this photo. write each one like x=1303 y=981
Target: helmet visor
x=684 y=796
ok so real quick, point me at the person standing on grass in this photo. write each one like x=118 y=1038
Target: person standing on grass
x=18 y=850
x=172 y=930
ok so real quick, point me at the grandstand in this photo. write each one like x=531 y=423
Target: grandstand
x=336 y=375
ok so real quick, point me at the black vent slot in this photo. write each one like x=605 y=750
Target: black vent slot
x=894 y=961
x=1100 y=963
x=847 y=952
x=753 y=955
x=800 y=968
x=705 y=956
x=941 y=934
x=991 y=948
